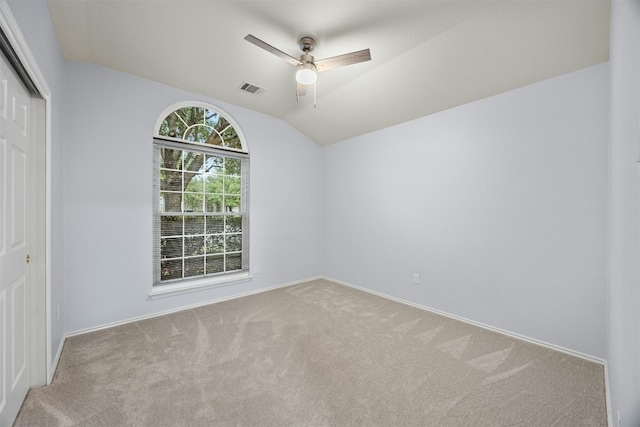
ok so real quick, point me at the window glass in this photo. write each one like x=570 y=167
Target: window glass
x=201 y=216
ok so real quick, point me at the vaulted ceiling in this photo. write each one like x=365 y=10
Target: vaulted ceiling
x=427 y=56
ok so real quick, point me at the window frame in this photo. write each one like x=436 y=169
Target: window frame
x=178 y=286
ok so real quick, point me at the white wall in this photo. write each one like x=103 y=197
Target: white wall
x=109 y=120
x=37 y=29
x=499 y=205
x=624 y=293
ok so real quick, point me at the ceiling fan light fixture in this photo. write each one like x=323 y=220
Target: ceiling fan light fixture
x=306 y=74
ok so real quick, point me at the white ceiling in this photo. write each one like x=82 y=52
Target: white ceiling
x=427 y=56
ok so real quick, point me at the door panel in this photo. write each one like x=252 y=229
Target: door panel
x=17 y=203
x=14 y=339
x=18 y=331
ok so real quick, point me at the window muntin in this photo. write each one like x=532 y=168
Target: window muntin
x=201 y=193
x=215 y=186
x=201 y=125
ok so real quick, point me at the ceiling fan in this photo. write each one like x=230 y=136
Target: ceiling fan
x=307 y=66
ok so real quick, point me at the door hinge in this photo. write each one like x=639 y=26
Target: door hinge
x=28 y=259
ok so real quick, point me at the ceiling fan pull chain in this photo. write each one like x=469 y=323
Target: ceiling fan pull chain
x=314 y=94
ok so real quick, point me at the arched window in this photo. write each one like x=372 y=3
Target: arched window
x=201 y=177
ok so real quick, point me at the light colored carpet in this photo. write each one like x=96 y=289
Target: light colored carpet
x=314 y=354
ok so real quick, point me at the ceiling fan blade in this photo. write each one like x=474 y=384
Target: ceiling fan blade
x=342 y=60
x=277 y=52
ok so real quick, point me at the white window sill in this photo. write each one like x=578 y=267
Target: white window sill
x=162 y=291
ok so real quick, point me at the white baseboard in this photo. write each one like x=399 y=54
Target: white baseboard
x=351 y=285
x=54 y=363
x=187 y=307
x=472 y=322
x=607 y=392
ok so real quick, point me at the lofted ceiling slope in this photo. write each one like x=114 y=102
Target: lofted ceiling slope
x=427 y=56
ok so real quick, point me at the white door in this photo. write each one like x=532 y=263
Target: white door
x=14 y=137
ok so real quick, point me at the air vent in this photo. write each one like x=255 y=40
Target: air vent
x=251 y=88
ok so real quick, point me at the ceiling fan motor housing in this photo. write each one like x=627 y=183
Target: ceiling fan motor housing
x=307 y=44
x=306 y=59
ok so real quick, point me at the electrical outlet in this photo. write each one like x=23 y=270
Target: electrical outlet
x=416 y=278
x=58 y=312
x=256 y=269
